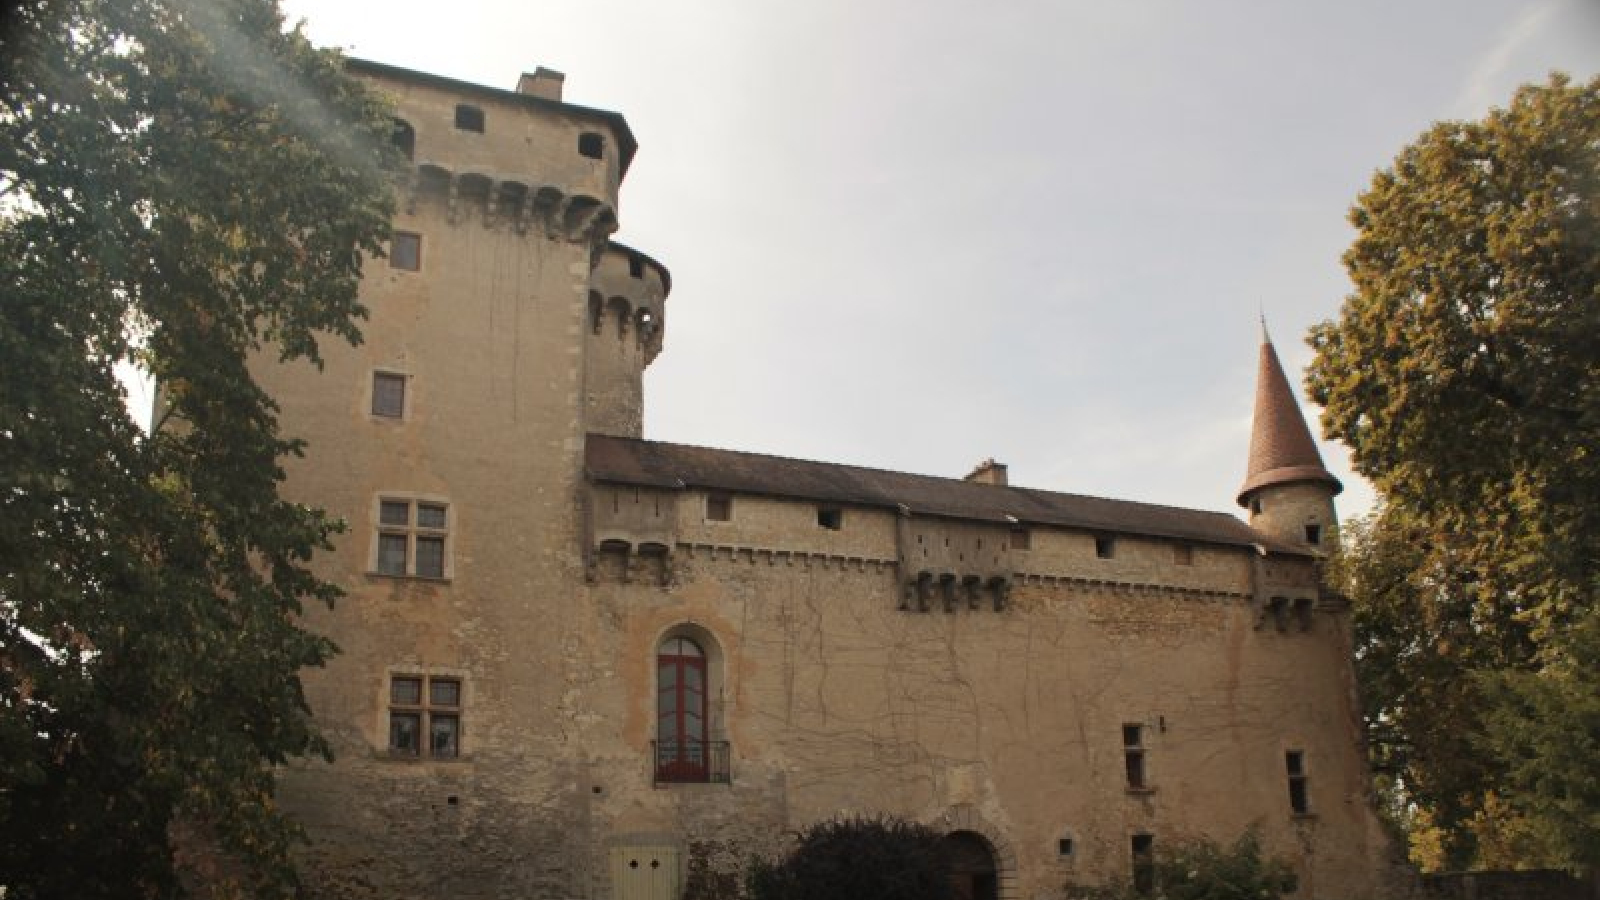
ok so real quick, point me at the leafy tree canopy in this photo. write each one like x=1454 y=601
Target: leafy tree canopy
x=1464 y=374
x=182 y=183
x=856 y=858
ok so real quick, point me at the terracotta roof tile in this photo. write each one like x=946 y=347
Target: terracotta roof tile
x=1281 y=448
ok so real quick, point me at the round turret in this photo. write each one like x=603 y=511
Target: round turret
x=1287 y=489
x=627 y=318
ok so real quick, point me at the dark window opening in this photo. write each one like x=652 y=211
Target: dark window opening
x=1133 y=756
x=635 y=267
x=1255 y=506
x=405 y=138
x=1105 y=547
x=425 y=727
x=1144 y=863
x=469 y=118
x=719 y=508
x=405 y=251
x=1313 y=533
x=1064 y=846
x=1021 y=539
x=830 y=517
x=388 y=395
x=1295 y=763
x=592 y=145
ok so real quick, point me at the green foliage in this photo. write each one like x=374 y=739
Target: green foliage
x=856 y=858
x=182 y=183
x=1464 y=374
x=1205 y=870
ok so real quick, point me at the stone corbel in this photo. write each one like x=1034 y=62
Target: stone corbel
x=1001 y=587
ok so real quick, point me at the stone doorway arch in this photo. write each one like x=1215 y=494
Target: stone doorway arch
x=972 y=865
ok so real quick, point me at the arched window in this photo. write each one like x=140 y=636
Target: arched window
x=682 y=746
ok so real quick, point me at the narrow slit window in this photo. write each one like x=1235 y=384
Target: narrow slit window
x=1143 y=847
x=1299 y=800
x=1133 y=757
x=405 y=138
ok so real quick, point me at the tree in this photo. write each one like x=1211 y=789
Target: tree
x=1464 y=374
x=183 y=183
x=1205 y=870
x=856 y=858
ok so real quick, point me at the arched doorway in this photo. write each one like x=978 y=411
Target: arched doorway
x=972 y=869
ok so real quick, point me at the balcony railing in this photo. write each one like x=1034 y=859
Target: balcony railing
x=691 y=762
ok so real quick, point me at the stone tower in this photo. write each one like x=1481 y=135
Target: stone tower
x=1287 y=489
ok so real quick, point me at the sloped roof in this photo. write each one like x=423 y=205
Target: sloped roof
x=1281 y=448
x=675 y=466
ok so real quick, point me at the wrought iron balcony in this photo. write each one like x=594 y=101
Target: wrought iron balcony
x=691 y=762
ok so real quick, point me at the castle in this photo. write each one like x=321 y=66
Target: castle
x=581 y=664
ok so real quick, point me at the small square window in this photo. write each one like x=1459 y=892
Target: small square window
x=830 y=517
x=592 y=145
x=1105 y=547
x=412 y=538
x=1064 y=847
x=469 y=118
x=405 y=691
x=1183 y=555
x=444 y=692
x=430 y=515
x=719 y=508
x=439 y=718
x=394 y=512
x=405 y=251
x=1313 y=533
x=388 y=394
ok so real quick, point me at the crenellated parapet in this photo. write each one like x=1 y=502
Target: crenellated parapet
x=498 y=202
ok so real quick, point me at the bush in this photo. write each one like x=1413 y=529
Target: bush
x=1205 y=870
x=856 y=858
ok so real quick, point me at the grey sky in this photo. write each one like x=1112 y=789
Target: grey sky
x=917 y=233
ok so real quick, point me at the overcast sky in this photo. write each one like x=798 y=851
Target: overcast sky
x=911 y=234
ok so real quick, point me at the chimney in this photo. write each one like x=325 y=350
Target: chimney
x=988 y=472
x=543 y=83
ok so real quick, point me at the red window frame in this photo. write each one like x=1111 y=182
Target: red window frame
x=681 y=708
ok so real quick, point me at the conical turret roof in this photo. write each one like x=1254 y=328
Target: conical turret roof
x=1281 y=448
